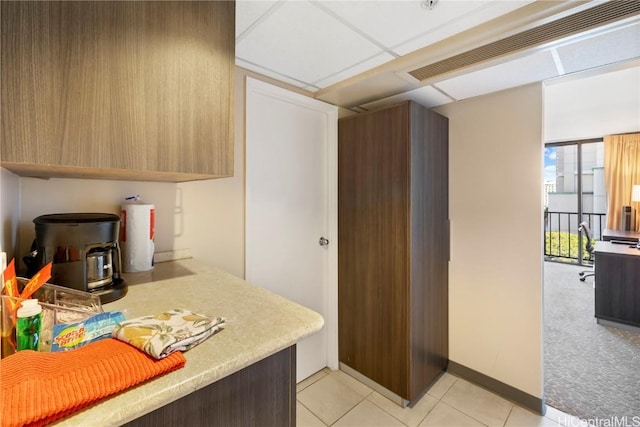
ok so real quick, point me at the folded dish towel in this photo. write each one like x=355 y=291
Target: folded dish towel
x=39 y=388
x=164 y=333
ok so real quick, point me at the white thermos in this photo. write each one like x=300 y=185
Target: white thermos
x=137 y=233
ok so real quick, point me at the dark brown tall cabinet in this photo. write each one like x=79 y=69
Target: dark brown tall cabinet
x=393 y=230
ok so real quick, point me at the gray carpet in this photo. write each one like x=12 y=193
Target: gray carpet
x=591 y=371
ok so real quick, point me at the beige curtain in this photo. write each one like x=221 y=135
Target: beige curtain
x=621 y=171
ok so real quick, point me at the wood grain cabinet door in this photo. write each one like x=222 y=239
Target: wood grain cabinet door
x=118 y=89
x=373 y=232
x=393 y=246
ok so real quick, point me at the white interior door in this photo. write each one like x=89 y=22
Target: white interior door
x=291 y=193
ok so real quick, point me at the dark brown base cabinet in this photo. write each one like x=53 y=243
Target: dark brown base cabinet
x=262 y=394
x=393 y=223
x=617 y=283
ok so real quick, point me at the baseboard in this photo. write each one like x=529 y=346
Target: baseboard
x=513 y=394
x=374 y=385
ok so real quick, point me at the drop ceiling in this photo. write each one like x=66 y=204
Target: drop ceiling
x=361 y=54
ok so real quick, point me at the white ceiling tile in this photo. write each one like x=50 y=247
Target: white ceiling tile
x=356 y=69
x=314 y=44
x=517 y=72
x=249 y=11
x=388 y=22
x=303 y=42
x=395 y=22
x=427 y=96
x=614 y=46
x=485 y=11
x=405 y=26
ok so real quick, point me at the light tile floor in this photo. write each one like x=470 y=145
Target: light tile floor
x=333 y=398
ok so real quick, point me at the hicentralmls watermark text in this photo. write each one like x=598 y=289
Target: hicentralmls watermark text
x=614 y=421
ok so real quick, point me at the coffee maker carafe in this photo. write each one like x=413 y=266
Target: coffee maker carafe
x=84 y=250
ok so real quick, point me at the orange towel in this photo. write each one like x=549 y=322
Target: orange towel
x=38 y=388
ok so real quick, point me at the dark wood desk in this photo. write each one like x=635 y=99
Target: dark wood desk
x=628 y=236
x=617 y=283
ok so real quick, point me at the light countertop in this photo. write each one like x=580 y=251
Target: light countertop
x=259 y=324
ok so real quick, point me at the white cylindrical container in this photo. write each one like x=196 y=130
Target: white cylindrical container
x=136 y=236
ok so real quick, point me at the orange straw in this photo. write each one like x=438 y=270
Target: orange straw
x=39 y=279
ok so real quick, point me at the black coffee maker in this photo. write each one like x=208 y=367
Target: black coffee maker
x=84 y=250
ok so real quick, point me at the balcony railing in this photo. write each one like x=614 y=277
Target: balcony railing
x=563 y=241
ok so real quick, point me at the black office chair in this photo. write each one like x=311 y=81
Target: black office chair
x=584 y=227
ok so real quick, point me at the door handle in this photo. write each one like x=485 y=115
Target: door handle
x=323 y=241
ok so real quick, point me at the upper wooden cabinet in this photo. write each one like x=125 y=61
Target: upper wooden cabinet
x=118 y=90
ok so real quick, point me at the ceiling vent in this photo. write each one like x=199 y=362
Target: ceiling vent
x=602 y=14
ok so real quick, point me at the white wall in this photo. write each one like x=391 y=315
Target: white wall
x=9 y=211
x=592 y=107
x=215 y=209
x=58 y=195
x=496 y=210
